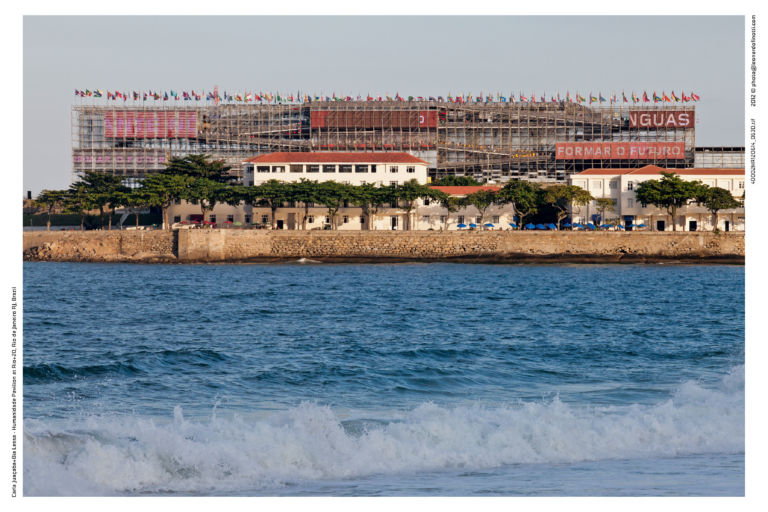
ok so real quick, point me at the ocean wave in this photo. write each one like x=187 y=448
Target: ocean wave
x=102 y=455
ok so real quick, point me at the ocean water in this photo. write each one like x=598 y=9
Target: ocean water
x=383 y=380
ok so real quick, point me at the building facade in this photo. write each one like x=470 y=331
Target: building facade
x=379 y=169
x=545 y=141
x=620 y=184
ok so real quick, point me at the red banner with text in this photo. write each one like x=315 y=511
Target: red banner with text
x=619 y=150
x=161 y=124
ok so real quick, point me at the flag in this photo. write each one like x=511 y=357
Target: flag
x=600 y=95
x=568 y=97
x=695 y=97
x=686 y=99
x=591 y=98
x=656 y=99
x=624 y=97
x=665 y=97
x=645 y=97
x=635 y=99
x=674 y=98
x=580 y=98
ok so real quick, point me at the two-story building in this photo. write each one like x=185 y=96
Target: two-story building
x=620 y=185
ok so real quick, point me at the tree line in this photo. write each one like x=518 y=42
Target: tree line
x=207 y=182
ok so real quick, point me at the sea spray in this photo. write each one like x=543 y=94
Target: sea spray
x=132 y=454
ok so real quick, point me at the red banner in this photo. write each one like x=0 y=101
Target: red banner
x=373 y=119
x=619 y=150
x=661 y=119
x=160 y=124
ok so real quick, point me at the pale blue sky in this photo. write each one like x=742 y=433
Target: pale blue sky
x=378 y=54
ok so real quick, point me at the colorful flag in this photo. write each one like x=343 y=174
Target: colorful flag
x=674 y=98
x=656 y=98
x=695 y=97
x=665 y=97
x=624 y=97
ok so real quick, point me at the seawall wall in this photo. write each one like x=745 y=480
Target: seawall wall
x=233 y=245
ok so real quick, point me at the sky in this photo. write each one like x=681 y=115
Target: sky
x=352 y=55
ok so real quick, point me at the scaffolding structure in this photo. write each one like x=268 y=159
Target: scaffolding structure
x=490 y=140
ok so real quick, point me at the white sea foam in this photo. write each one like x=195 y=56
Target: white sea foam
x=113 y=455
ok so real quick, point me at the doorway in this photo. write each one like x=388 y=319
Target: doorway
x=280 y=224
x=692 y=225
x=394 y=222
x=727 y=225
x=659 y=225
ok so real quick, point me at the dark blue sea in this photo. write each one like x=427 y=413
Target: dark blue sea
x=379 y=380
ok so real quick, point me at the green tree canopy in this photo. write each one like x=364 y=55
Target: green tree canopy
x=605 y=204
x=455 y=181
x=103 y=192
x=407 y=193
x=524 y=196
x=564 y=197
x=200 y=166
x=272 y=193
x=370 y=199
x=160 y=190
x=671 y=192
x=715 y=199
x=482 y=200
x=305 y=192
x=49 y=201
x=333 y=194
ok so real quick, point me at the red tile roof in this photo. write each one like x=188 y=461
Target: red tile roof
x=653 y=169
x=464 y=190
x=336 y=157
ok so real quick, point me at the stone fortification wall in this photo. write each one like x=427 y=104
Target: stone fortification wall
x=211 y=245
x=140 y=246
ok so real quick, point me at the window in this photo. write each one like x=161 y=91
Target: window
x=329 y=168
x=345 y=219
x=230 y=218
x=313 y=168
x=478 y=219
x=177 y=218
x=310 y=219
x=597 y=184
x=265 y=219
x=410 y=168
x=361 y=168
x=630 y=203
x=425 y=218
x=262 y=168
x=496 y=219
x=426 y=201
x=278 y=168
x=461 y=219
x=193 y=201
x=310 y=204
x=212 y=218
x=345 y=168
x=250 y=183
x=630 y=185
x=297 y=168
x=393 y=183
x=392 y=168
x=741 y=184
x=443 y=218
x=362 y=182
x=247 y=219
x=373 y=168
x=177 y=201
x=727 y=185
x=613 y=184
x=362 y=219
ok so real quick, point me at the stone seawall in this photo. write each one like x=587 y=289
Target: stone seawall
x=232 y=245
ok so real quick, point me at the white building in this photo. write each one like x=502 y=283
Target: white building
x=619 y=185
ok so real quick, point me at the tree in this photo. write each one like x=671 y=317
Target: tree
x=200 y=166
x=482 y=200
x=564 y=197
x=370 y=199
x=605 y=204
x=452 y=204
x=80 y=200
x=272 y=193
x=332 y=194
x=410 y=191
x=103 y=190
x=671 y=192
x=135 y=199
x=207 y=191
x=456 y=181
x=524 y=196
x=160 y=190
x=50 y=200
x=305 y=192
x=715 y=199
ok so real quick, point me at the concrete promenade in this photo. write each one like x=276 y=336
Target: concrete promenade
x=234 y=245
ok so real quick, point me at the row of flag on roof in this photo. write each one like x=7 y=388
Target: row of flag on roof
x=267 y=97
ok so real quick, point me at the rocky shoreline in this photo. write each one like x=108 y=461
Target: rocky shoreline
x=251 y=246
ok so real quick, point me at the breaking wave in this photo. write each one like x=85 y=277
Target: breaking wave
x=102 y=455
